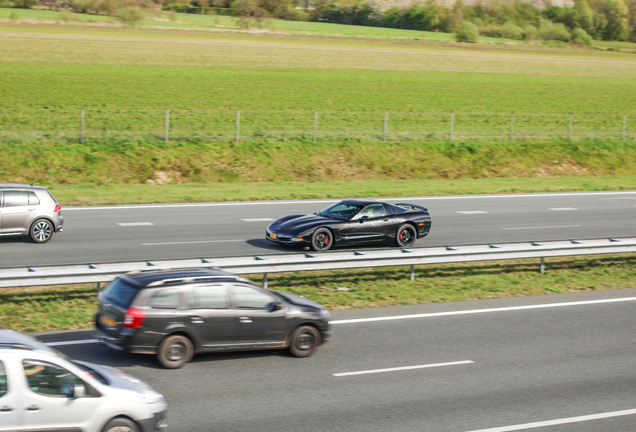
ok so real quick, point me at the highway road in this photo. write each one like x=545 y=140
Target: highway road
x=209 y=230
x=557 y=363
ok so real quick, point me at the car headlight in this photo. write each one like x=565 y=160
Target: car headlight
x=150 y=396
x=324 y=313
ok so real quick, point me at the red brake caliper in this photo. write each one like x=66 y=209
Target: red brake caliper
x=326 y=240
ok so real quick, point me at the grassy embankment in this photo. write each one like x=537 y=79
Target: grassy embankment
x=50 y=72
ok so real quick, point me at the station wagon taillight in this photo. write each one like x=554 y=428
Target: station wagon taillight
x=57 y=208
x=134 y=318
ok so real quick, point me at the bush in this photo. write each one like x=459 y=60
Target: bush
x=130 y=15
x=467 y=32
x=14 y=16
x=557 y=32
x=530 y=32
x=580 y=36
x=510 y=31
x=65 y=16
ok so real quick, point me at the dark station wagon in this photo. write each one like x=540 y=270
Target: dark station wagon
x=177 y=313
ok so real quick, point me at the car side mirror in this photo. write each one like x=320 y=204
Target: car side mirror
x=363 y=218
x=274 y=306
x=79 y=391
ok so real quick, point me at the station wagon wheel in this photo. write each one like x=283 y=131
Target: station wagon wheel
x=405 y=236
x=304 y=341
x=175 y=351
x=41 y=231
x=120 y=424
x=321 y=240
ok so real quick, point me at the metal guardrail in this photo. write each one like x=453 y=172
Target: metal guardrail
x=97 y=273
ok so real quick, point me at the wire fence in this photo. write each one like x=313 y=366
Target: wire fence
x=81 y=125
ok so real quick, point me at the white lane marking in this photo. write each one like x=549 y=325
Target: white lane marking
x=258 y=220
x=85 y=341
x=478 y=311
x=563 y=209
x=472 y=212
x=127 y=224
x=192 y=242
x=142 y=206
x=542 y=227
x=559 y=421
x=374 y=371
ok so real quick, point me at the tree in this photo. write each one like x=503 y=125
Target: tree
x=616 y=13
x=130 y=15
x=467 y=32
x=250 y=14
x=456 y=16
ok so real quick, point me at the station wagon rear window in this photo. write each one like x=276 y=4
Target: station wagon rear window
x=120 y=293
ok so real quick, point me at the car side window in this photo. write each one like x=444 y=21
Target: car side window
x=371 y=211
x=49 y=379
x=3 y=380
x=165 y=299
x=16 y=198
x=33 y=199
x=208 y=297
x=251 y=298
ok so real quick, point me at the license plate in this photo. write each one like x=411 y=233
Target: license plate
x=273 y=235
x=108 y=321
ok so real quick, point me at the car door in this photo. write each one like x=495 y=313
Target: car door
x=48 y=404
x=213 y=322
x=371 y=224
x=17 y=211
x=261 y=316
x=9 y=402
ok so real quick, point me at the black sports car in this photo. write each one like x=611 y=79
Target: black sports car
x=353 y=222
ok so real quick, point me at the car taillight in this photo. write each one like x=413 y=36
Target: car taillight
x=57 y=208
x=134 y=318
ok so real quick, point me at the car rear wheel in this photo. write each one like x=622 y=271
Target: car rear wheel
x=41 y=231
x=120 y=424
x=321 y=240
x=304 y=341
x=405 y=236
x=175 y=351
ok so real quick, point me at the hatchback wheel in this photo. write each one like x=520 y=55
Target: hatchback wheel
x=304 y=341
x=41 y=231
x=175 y=351
x=120 y=424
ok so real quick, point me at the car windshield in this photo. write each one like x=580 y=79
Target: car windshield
x=341 y=211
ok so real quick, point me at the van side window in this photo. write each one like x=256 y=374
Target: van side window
x=3 y=380
x=16 y=198
x=208 y=297
x=165 y=299
x=251 y=298
x=49 y=379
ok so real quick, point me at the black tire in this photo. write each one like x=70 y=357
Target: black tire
x=304 y=341
x=321 y=240
x=120 y=424
x=405 y=236
x=41 y=231
x=175 y=351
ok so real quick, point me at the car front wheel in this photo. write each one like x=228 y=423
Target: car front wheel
x=41 y=231
x=405 y=236
x=321 y=240
x=120 y=424
x=304 y=341
x=175 y=351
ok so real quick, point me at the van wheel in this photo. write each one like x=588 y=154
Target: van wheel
x=304 y=341
x=41 y=231
x=175 y=351
x=120 y=424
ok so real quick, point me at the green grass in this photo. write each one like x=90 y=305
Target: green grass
x=73 y=307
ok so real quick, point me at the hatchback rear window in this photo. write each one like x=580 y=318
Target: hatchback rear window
x=120 y=293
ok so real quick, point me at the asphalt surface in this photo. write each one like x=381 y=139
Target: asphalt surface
x=498 y=365
x=211 y=230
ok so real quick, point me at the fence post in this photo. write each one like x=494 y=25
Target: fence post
x=238 y=125
x=82 y=127
x=542 y=267
x=512 y=125
x=570 y=128
x=167 y=123
x=624 y=126
x=451 y=125
x=386 y=124
x=315 y=125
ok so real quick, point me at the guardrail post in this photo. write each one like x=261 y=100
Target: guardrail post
x=167 y=123
x=542 y=267
x=82 y=127
x=451 y=126
x=624 y=126
x=412 y=273
x=386 y=124
x=265 y=280
x=315 y=125
x=238 y=125
x=512 y=125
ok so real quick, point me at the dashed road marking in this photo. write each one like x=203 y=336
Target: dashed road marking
x=192 y=242
x=127 y=224
x=563 y=209
x=403 y=368
x=472 y=212
x=542 y=227
x=258 y=220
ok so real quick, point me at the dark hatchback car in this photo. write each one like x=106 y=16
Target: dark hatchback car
x=177 y=313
